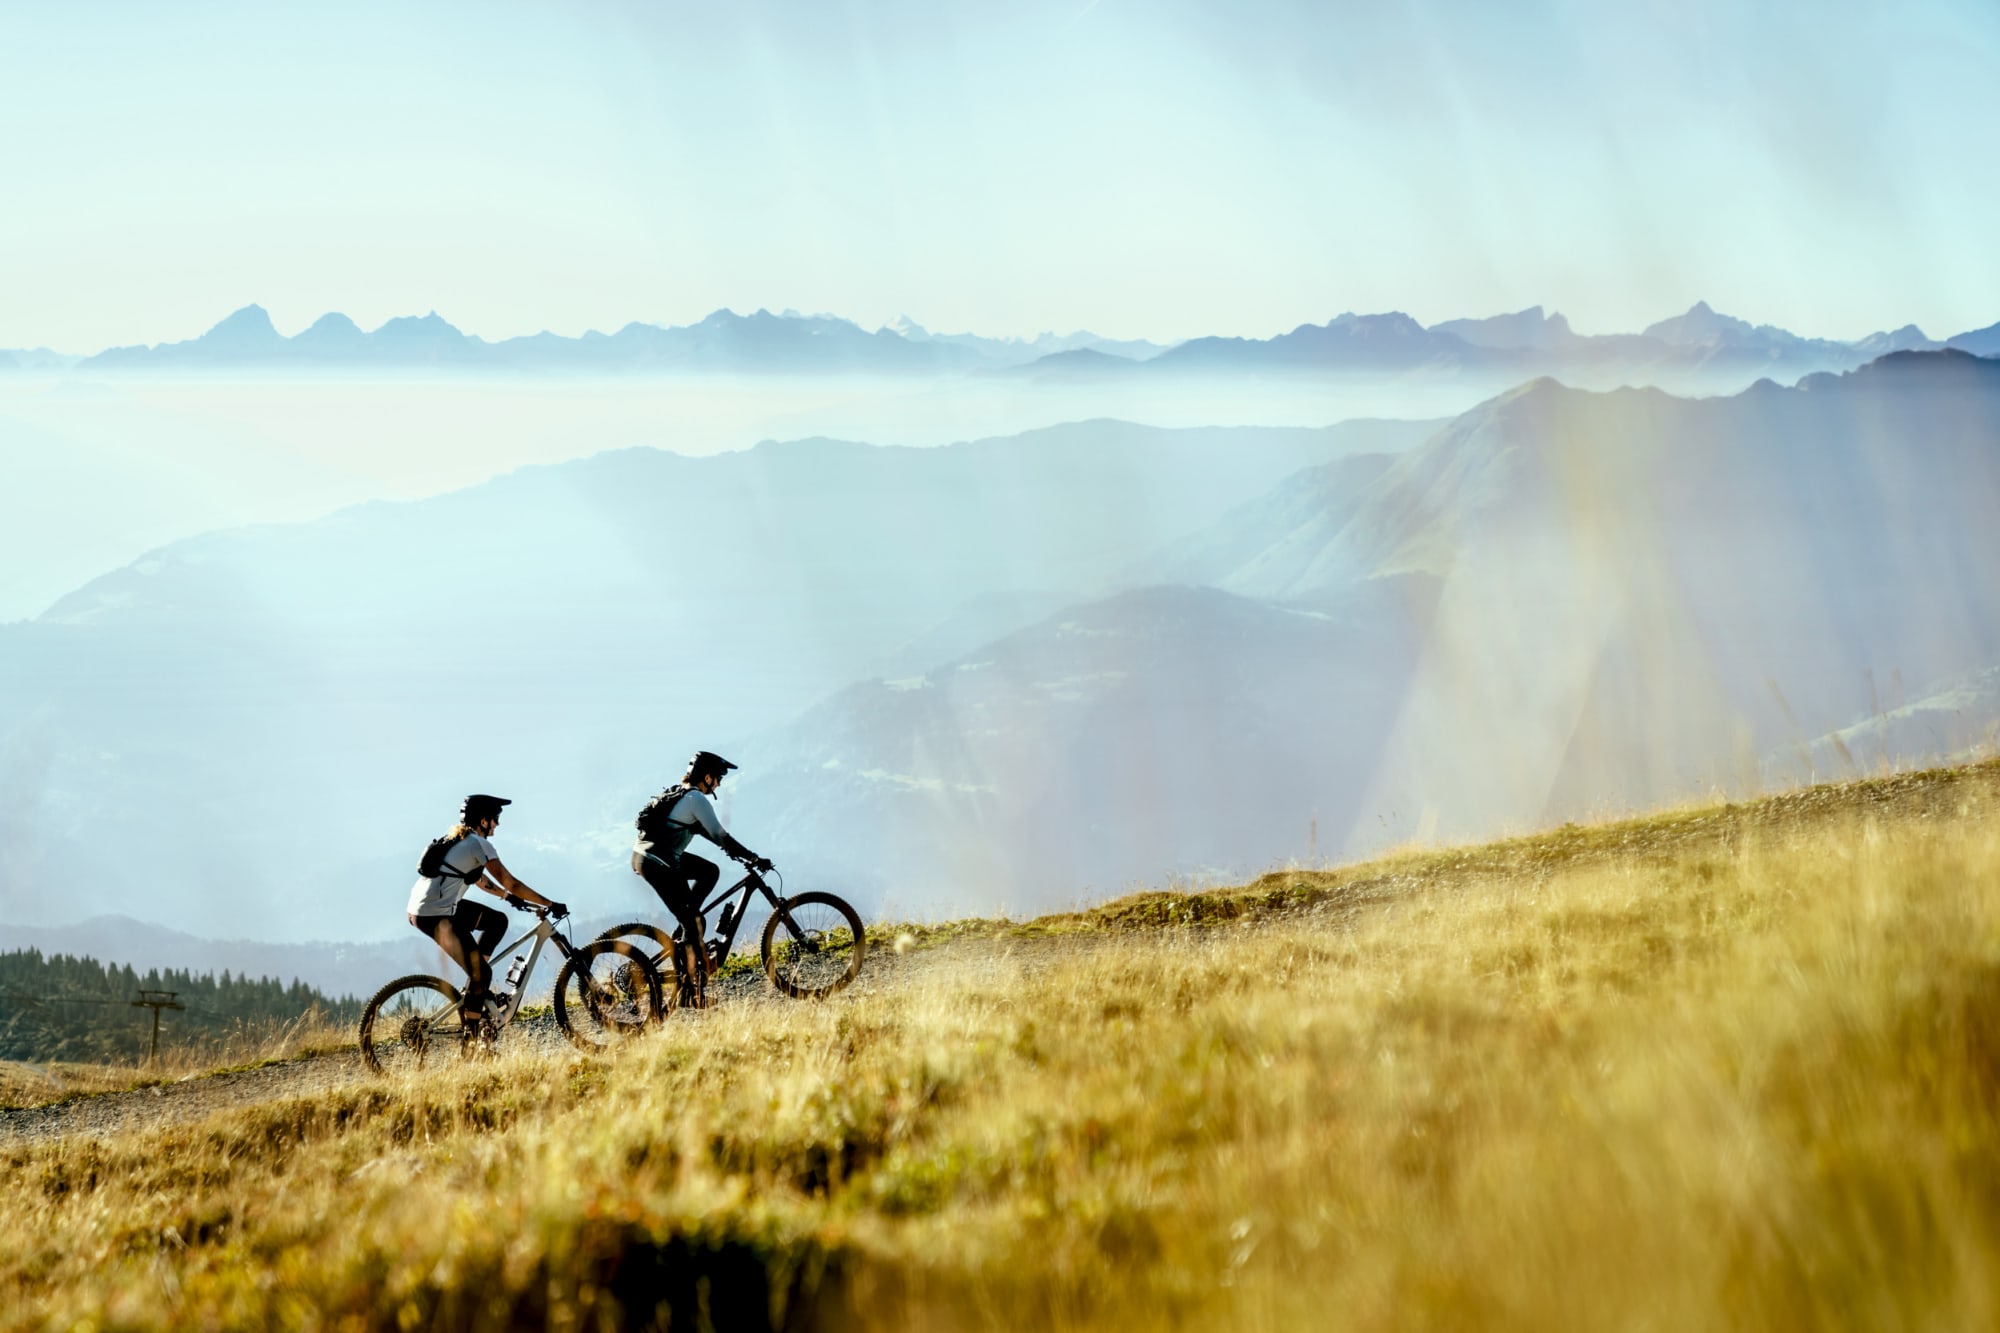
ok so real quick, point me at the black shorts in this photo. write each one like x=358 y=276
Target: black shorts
x=479 y=928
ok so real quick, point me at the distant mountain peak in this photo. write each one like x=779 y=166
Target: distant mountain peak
x=1699 y=327
x=332 y=332
x=1530 y=328
x=250 y=324
x=1979 y=342
x=430 y=326
x=1909 y=338
x=1386 y=321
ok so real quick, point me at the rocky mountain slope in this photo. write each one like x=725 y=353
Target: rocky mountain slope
x=1563 y=603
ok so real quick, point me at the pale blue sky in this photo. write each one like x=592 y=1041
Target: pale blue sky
x=1159 y=169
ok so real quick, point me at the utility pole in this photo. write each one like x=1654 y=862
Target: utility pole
x=157 y=1000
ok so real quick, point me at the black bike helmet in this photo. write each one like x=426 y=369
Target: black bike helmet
x=704 y=764
x=476 y=807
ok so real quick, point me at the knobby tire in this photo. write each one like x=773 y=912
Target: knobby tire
x=685 y=970
x=596 y=1012
x=816 y=967
x=394 y=1042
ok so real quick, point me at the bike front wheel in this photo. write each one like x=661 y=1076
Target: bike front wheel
x=607 y=991
x=411 y=1024
x=813 y=946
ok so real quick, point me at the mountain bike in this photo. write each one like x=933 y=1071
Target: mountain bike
x=813 y=942
x=606 y=991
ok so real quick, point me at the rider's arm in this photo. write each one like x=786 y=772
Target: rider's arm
x=513 y=886
x=711 y=827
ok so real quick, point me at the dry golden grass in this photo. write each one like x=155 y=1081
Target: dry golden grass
x=24 y=1083
x=1732 y=1067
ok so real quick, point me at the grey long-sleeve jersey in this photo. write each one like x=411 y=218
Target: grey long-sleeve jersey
x=693 y=813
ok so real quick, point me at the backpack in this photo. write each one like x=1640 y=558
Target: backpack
x=653 y=822
x=431 y=865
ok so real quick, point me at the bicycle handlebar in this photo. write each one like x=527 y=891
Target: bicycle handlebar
x=548 y=913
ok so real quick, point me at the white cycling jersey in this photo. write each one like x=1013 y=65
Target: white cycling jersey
x=438 y=895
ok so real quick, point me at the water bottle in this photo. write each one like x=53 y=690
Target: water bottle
x=515 y=969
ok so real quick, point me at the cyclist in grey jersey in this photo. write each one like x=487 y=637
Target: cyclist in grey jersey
x=666 y=827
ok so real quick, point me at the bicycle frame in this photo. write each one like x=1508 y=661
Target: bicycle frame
x=752 y=882
x=544 y=930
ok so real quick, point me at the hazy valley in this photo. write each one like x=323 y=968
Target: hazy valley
x=1024 y=672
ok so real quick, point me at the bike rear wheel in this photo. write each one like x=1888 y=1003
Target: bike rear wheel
x=814 y=947
x=683 y=971
x=607 y=991
x=411 y=1024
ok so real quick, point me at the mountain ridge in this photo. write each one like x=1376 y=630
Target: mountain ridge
x=1700 y=341
x=721 y=341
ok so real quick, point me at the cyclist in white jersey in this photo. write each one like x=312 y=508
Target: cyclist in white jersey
x=467 y=932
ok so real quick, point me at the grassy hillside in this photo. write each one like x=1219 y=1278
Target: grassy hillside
x=1729 y=1067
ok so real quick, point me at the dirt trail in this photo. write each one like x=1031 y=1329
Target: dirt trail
x=175 y=1103
x=198 y=1096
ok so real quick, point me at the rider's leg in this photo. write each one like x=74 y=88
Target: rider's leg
x=481 y=928
x=457 y=945
x=671 y=883
x=485 y=927
x=702 y=875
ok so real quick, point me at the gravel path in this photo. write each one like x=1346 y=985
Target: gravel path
x=175 y=1103
x=198 y=1096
